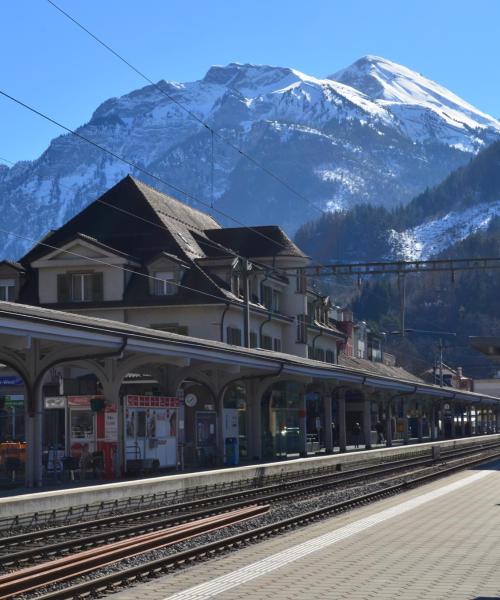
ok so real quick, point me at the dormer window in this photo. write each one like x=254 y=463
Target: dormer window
x=7 y=289
x=80 y=287
x=163 y=283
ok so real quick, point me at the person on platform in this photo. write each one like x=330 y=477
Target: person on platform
x=356 y=432
x=85 y=461
x=379 y=428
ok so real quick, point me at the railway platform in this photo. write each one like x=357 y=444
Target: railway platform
x=105 y=495
x=437 y=541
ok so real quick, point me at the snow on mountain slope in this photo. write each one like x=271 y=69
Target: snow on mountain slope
x=336 y=142
x=420 y=104
x=434 y=236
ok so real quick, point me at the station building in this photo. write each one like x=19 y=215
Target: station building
x=140 y=258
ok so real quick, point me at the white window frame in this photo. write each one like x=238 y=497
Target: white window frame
x=7 y=289
x=163 y=285
x=81 y=285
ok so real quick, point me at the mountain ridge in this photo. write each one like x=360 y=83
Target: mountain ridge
x=331 y=142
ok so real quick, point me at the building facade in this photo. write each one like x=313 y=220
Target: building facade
x=141 y=257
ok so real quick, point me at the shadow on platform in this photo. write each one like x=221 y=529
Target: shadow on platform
x=494 y=465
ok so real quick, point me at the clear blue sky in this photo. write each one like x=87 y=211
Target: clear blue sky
x=48 y=62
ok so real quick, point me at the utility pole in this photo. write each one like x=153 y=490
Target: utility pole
x=246 y=269
x=402 y=302
x=441 y=382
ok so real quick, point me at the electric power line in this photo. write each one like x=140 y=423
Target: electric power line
x=188 y=110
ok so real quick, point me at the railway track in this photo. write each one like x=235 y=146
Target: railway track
x=105 y=581
x=30 y=579
x=30 y=547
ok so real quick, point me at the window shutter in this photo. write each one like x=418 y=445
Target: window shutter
x=97 y=287
x=63 y=287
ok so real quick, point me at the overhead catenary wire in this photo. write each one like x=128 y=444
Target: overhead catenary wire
x=136 y=166
x=188 y=111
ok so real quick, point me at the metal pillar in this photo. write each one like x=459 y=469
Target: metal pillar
x=469 y=421
x=497 y=419
x=367 y=422
x=29 y=428
x=388 y=424
x=462 y=429
x=327 y=407
x=254 y=407
x=420 y=427
x=433 y=421
x=38 y=421
x=303 y=426
x=406 y=431
x=341 y=424
x=453 y=426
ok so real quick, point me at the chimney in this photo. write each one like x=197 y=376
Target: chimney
x=459 y=372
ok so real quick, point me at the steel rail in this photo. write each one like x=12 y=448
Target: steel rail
x=32 y=554
x=211 y=506
x=218 y=503
x=166 y=564
x=58 y=571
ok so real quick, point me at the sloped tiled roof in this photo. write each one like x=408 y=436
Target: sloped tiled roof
x=256 y=242
x=377 y=368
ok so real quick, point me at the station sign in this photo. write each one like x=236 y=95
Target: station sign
x=153 y=401
x=10 y=380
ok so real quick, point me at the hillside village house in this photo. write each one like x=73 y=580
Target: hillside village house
x=138 y=256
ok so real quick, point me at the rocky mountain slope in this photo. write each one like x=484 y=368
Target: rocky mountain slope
x=435 y=222
x=374 y=133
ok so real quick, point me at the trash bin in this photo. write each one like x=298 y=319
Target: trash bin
x=232 y=455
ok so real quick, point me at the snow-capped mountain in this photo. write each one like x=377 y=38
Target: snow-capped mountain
x=436 y=235
x=425 y=110
x=375 y=132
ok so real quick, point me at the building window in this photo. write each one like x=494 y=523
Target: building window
x=271 y=298
x=320 y=354
x=301 y=282
x=267 y=297
x=266 y=342
x=80 y=287
x=253 y=339
x=310 y=352
x=330 y=356
x=301 y=329
x=277 y=345
x=163 y=283
x=7 y=289
x=233 y=336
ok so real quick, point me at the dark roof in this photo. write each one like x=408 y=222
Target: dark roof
x=376 y=368
x=135 y=219
x=13 y=264
x=256 y=242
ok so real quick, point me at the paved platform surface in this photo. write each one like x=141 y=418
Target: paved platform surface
x=439 y=541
